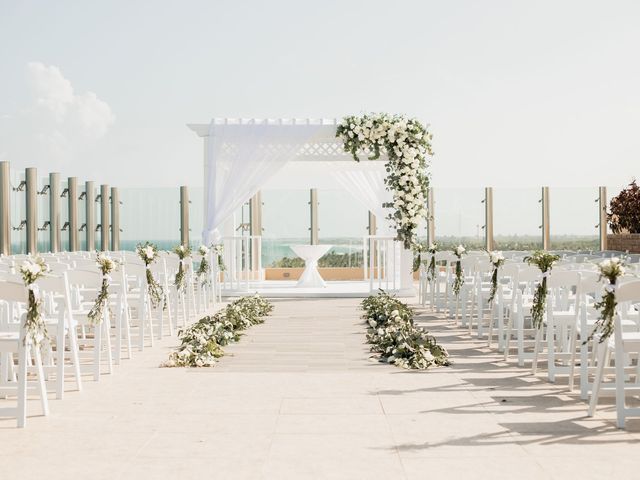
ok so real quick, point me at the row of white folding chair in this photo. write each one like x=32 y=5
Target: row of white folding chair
x=13 y=296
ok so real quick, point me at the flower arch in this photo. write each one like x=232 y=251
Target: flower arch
x=407 y=143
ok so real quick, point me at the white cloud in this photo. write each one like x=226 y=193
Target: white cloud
x=59 y=128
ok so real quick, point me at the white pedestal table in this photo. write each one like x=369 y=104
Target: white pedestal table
x=310 y=277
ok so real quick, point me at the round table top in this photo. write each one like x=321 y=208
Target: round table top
x=310 y=251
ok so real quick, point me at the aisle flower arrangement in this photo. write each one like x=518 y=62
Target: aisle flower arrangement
x=183 y=252
x=31 y=270
x=458 y=280
x=201 y=343
x=106 y=265
x=393 y=335
x=407 y=143
x=610 y=269
x=497 y=260
x=431 y=268
x=544 y=261
x=203 y=268
x=218 y=250
x=148 y=252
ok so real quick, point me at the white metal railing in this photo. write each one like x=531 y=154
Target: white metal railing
x=242 y=258
x=381 y=258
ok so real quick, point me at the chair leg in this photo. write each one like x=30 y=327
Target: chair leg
x=595 y=389
x=508 y=337
x=572 y=367
x=22 y=384
x=42 y=385
x=620 y=381
x=97 y=352
x=107 y=334
x=75 y=358
x=60 y=347
x=536 y=351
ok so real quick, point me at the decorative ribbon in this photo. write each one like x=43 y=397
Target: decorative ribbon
x=610 y=288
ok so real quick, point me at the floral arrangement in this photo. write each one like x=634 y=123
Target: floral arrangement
x=611 y=269
x=393 y=335
x=35 y=330
x=106 y=265
x=624 y=210
x=203 y=268
x=431 y=268
x=544 y=261
x=407 y=143
x=497 y=260
x=148 y=252
x=201 y=343
x=458 y=281
x=183 y=252
x=219 y=250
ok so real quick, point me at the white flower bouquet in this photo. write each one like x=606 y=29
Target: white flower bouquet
x=183 y=252
x=610 y=269
x=148 y=252
x=458 y=281
x=106 y=265
x=203 y=268
x=497 y=260
x=31 y=270
x=544 y=261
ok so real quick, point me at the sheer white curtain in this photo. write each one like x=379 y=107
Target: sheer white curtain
x=240 y=159
x=367 y=186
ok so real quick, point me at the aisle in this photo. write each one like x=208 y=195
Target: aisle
x=298 y=398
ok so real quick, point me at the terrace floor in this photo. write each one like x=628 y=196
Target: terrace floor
x=298 y=398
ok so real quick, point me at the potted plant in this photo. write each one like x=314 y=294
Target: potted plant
x=624 y=220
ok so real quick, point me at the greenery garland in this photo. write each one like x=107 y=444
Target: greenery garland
x=183 y=252
x=431 y=269
x=219 y=250
x=203 y=268
x=148 y=252
x=544 y=261
x=393 y=335
x=406 y=143
x=611 y=269
x=201 y=343
x=35 y=329
x=458 y=281
x=106 y=265
x=497 y=260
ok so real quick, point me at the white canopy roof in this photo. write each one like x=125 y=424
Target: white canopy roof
x=243 y=156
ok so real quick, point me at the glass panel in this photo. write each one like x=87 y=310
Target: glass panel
x=64 y=217
x=574 y=218
x=342 y=222
x=43 y=215
x=82 y=217
x=459 y=217
x=285 y=221
x=196 y=216
x=140 y=212
x=517 y=216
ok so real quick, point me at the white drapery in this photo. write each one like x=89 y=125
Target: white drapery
x=367 y=187
x=240 y=159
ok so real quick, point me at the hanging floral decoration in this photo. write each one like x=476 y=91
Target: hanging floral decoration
x=610 y=269
x=106 y=265
x=148 y=252
x=407 y=143
x=544 y=261
x=203 y=269
x=219 y=250
x=431 y=268
x=183 y=252
x=458 y=280
x=35 y=330
x=497 y=260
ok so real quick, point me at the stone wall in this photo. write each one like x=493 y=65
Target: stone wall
x=624 y=242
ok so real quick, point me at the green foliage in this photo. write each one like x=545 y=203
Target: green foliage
x=624 y=210
x=393 y=335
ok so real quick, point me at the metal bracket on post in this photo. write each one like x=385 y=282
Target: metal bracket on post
x=31 y=179
x=104 y=217
x=488 y=218
x=184 y=215
x=90 y=215
x=602 y=217
x=54 y=212
x=5 y=208
x=72 y=185
x=115 y=219
x=546 y=243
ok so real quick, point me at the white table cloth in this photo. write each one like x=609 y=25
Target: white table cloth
x=310 y=254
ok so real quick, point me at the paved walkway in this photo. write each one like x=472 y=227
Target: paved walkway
x=298 y=398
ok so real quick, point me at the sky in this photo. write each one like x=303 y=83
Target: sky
x=516 y=93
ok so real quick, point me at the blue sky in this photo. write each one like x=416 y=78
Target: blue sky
x=517 y=93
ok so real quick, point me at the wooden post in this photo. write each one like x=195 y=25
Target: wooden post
x=115 y=219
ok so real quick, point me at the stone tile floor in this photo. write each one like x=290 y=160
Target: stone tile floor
x=299 y=398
